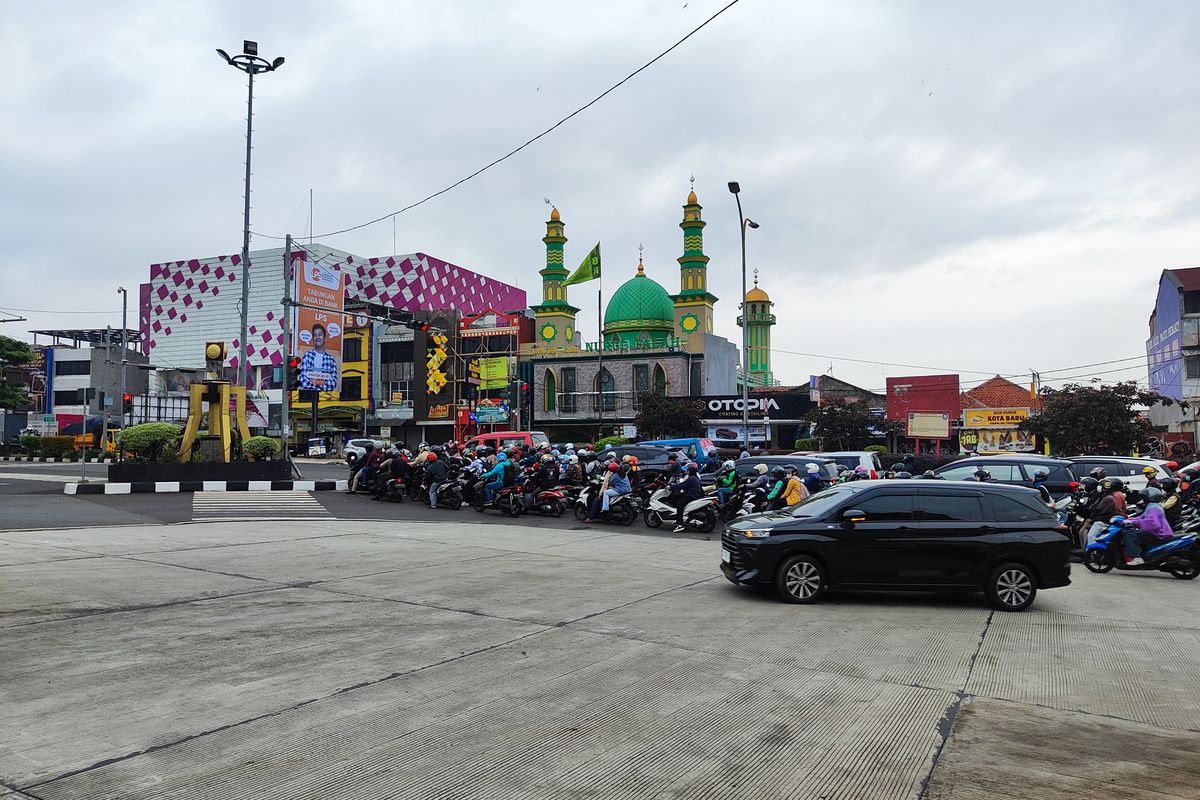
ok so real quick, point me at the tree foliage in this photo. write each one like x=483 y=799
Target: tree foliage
x=13 y=353
x=262 y=448
x=846 y=426
x=668 y=417
x=1094 y=419
x=151 y=442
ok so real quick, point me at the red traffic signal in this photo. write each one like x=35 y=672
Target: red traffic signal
x=127 y=397
x=294 y=362
x=524 y=387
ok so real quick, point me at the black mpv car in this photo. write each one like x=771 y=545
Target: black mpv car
x=904 y=535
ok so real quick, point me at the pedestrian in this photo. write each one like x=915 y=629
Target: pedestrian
x=437 y=472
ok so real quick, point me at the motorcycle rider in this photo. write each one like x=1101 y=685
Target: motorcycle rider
x=778 y=484
x=685 y=491
x=1148 y=530
x=373 y=459
x=1102 y=509
x=1151 y=476
x=614 y=485
x=1172 y=504
x=812 y=478
x=574 y=473
x=494 y=478
x=796 y=489
x=982 y=475
x=727 y=482
x=437 y=471
x=673 y=470
x=1039 y=482
x=396 y=466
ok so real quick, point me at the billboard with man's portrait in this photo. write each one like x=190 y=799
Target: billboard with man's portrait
x=317 y=325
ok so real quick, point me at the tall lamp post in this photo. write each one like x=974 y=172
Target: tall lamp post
x=250 y=63
x=121 y=290
x=743 y=223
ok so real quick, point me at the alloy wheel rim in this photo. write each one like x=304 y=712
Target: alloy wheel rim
x=803 y=580
x=1014 y=587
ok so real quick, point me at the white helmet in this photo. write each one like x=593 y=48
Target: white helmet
x=547 y=457
x=580 y=451
x=573 y=459
x=728 y=464
x=570 y=446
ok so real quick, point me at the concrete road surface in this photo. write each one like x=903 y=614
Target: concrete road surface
x=331 y=659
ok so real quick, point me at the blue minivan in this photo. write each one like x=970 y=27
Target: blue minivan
x=696 y=450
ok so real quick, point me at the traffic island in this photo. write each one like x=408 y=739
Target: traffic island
x=161 y=487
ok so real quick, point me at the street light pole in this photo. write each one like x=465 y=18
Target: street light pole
x=124 y=359
x=250 y=63
x=742 y=223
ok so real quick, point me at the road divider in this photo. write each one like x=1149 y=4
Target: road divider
x=149 y=487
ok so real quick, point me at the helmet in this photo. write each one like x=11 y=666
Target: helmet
x=982 y=475
x=392 y=451
x=570 y=445
x=1111 y=485
x=1171 y=465
x=1153 y=494
x=1149 y=471
x=368 y=447
x=929 y=474
x=713 y=453
x=673 y=457
x=693 y=467
x=1089 y=484
x=860 y=470
x=423 y=446
x=433 y=456
x=778 y=472
x=626 y=457
x=612 y=466
x=581 y=452
x=608 y=446
x=573 y=459
x=1168 y=485
x=547 y=458
x=761 y=469
x=903 y=474
x=633 y=462
x=1040 y=474
x=812 y=469
x=728 y=465
x=1189 y=475
x=502 y=457
x=1099 y=473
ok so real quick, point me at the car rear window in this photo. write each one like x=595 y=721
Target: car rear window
x=951 y=508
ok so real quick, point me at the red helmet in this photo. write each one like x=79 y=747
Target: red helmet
x=612 y=466
x=432 y=456
x=1172 y=465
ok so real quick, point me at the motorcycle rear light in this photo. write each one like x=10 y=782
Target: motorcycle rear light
x=1073 y=485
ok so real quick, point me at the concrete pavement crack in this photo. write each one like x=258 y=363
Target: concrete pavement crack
x=146 y=606
x=946 y=723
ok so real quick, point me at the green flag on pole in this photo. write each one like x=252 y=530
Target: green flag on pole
x=589 y=270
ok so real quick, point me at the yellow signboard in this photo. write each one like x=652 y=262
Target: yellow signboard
x=493 y=373
x=994 y=417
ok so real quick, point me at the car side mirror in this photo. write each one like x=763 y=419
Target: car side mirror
x=854 y=515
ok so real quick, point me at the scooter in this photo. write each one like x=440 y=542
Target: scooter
x=547 y=502
x=743 y=501
x=367 y=484
x=393 y=489
x=450 y=493
x=699 y=515
x=506 y=500
x=622 y=510
x=1179 y=555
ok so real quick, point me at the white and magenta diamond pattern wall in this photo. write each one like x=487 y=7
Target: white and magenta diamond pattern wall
x=189 y=302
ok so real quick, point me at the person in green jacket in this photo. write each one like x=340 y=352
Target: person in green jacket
x=727 y=482
x=778 y=484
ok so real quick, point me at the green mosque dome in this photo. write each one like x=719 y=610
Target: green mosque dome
x=640 y=312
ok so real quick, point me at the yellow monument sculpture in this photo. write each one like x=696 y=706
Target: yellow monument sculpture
x=216 y=444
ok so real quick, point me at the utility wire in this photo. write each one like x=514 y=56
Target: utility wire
x=528 y=142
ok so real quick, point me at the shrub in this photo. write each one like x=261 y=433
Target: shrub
x=877 y=448
x=613 y=440
x=58 y=446
x=807 y=444
x=261 y=448
x=150 y=442
x=31 y=442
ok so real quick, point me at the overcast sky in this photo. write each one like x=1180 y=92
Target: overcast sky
x=979 y=187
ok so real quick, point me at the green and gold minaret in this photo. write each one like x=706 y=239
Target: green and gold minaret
x=554 y=318
x=759 y=319
x=693 y=304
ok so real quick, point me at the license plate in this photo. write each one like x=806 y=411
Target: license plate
x=726 y=556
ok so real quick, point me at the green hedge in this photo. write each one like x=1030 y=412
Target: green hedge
x=613 y=440
x=151 y=442
x=807 y=444
x=261 y=448
x=57 y=446
x=876 y=448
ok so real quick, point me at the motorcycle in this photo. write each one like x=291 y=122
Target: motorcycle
x=622 y=510
x=1179 y=555
x=699 y=515
x=550 y=502
x=393 y=489
x=741 y=502
x=368 y=483
x=450 y=493
x=506 y=500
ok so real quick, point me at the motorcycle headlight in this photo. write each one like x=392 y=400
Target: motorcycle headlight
x=756 y=533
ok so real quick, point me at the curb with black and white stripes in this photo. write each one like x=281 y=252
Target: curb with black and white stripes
x=68 y=460
x=154 y=487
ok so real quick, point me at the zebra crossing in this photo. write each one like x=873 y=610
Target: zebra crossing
x=217 y=506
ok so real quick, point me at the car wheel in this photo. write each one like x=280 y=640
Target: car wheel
x=1011 y=587
x=800 y=579
x=652 y=518
x=581 y=511
x=1097 y=561
x=710 y=521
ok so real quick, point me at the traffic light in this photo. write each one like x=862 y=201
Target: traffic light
x=417 y=325
x=524 y=388
x=293 y=374
x=127 y=403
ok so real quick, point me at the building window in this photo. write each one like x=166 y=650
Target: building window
x=1191 y=302
x=660 y=381
x=567 y=405
x=351 y=388
x=697 y=379
x=606 y=389
x=73 y=367
x=351 y=349
x=641 y=383
x=69 y=397
x=1191 y=364
x=550 y=389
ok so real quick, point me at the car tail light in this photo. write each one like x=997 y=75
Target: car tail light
x=873 y=475
x=1073 y=485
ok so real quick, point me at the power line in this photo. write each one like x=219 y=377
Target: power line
x=528 y=142
x=49 y=311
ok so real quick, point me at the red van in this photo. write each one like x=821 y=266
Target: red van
x=503 y=439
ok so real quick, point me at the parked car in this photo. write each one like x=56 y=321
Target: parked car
x=1015 y=470
x=502 y=439
x=695 y=449
x=849 y=459
x=829 y=467
x=1126 y=468
x=904 y=535
x=357 y=448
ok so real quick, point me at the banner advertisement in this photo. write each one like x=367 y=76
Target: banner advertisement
x=493 y=373
x=440 y=411
x=994 y=417
x=491 y=412
x=731 y=435
x=317 y=336
x=994 y=441
x=928 y=425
